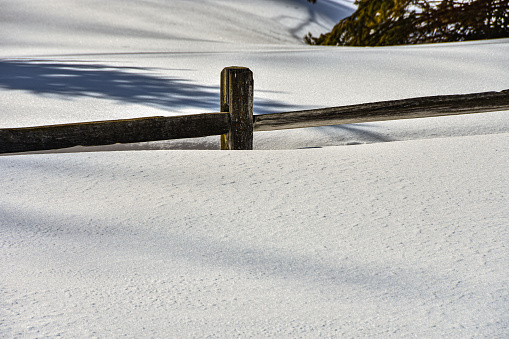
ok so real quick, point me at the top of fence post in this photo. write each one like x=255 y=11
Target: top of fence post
x=237 y=99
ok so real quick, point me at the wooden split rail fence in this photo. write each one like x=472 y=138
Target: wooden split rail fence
x=236 y=123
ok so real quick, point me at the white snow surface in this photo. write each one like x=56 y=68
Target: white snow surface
x=388 y=229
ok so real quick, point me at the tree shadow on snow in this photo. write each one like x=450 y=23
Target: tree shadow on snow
x=314 y=12
x=135 y=85
x=228 y=255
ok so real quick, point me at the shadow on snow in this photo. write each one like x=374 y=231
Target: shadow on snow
x=135 y=85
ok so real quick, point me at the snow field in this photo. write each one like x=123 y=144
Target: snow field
x=389 y=229
x=287 y=243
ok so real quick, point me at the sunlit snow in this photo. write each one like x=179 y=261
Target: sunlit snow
x=389 y=229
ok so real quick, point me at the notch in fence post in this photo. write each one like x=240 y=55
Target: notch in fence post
x=237 y=99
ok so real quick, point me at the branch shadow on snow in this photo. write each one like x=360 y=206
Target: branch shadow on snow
x=135 y=85
x=314 y=12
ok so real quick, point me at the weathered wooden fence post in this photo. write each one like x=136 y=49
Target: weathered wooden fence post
x=237 y=99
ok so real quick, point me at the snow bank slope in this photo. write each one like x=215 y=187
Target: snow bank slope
x=392 y=239
x=59 y=26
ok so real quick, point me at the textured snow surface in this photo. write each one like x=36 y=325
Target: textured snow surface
x=389 y=229
x=386 y=239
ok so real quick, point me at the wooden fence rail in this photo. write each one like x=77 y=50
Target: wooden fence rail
x=422 y=107
x=236 y=123
x=112 y=132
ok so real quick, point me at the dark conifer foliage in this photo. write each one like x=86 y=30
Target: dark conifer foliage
x=399 y=22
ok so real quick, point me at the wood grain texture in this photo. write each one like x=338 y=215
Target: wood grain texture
x=224 y=102
x=112 y=132
x=386 y=110
x=237 y=99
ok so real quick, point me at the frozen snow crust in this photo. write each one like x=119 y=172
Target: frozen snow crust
x=390 y=229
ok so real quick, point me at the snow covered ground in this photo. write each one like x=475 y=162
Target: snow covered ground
x=389 y=229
